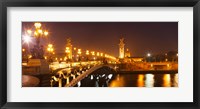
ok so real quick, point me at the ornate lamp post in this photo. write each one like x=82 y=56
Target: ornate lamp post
x=98 y=54
x=87 y=55
x=37 y=51
x=68 y=49
x=39 y=33
x=79 y=53
x=50 y=50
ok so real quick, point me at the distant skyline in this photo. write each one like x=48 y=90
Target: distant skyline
x=140 y=37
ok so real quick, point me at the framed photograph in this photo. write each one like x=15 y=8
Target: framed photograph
x=99 y=54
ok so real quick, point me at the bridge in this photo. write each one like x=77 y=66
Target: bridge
x=77 y=76
x=72 y=77
x=90 y=71
x=69 y=74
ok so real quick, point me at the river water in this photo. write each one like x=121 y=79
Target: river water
x=130 y=80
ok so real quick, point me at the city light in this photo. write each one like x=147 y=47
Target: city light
x=148 y=55
x=40 y=31
x=87 y=52
x=50 y=45
x=35 y=33
x=50 y=48
x=27 y=39
x=79 y=51
x=97 y=53
x=29 y=32
x=67 y=50
x=65 y=58
x=46 y=33
x=30 y=56
x=101 y=54
x=37 y=25
x=93 y=53
x=23 y=50
x=106 y=55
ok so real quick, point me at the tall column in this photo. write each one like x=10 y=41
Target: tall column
x=121 y=48
x=69 y=49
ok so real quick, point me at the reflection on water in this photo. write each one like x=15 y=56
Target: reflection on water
x=130 y=80
x=140 y=81
x=176 y=80
x=149 y=82
x=145 y=80
x=118 y=82
x=166 y=80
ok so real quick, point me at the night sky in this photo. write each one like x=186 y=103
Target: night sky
x=140 y=37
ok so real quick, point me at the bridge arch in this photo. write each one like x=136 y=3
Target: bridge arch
x=101 y=68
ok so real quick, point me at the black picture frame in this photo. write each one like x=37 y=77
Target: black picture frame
x=99 y=3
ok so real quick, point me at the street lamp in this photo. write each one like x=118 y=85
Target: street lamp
x=37 y=25
x=101 y=58
x=148 y=56
x=67 y=50
x=37 y=33
x=93 y=53
x=29 y=31
x=50 y=50
x=27 y=39
x=97 y=53
x=79 y=51
x=79 y=54
x=101 y=54
x=87 y=52
x=23 y=50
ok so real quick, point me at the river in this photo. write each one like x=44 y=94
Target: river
x=130 y=80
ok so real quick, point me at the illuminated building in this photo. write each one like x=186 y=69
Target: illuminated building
x=127 y=53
